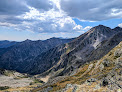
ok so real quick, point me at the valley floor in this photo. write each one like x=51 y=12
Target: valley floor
x=14 y=82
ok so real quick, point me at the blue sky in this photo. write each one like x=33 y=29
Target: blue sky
x=112 y=23
x=43 y=19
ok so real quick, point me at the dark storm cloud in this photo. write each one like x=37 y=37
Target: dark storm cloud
x=12 y=7
x=93 y=10
x=40 y=4
x=17 y=7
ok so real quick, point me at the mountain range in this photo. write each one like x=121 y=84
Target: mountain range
x=91 y=63
x=19 y=56
x=59 y=59
x=90 y=46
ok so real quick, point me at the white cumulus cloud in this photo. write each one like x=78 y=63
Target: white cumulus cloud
x=120 y=25
x=91 y=10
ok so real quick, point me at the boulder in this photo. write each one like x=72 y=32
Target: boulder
x=101 y=67
x=106 y=63
x=118 y=52
x=91 y=80
x=104 y=82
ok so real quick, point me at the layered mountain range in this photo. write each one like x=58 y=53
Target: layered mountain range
x=19 y=56
x=90 y=62
x=58 y=57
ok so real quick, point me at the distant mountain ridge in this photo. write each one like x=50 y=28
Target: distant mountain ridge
x=5 y=43
x=18 y=57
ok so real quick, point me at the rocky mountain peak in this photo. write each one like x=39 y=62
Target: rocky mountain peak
x=27 y=40
x=101 y=28
x=53 y=38
x=117 y=29
x=100 y=32
x=94 y=36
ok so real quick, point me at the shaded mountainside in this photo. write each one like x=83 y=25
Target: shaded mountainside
x=19 y=56
x=5 y=43
x=46 y=60
x=103 y=75
x=90 y=46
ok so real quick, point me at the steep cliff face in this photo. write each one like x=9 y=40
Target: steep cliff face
x=20 y=56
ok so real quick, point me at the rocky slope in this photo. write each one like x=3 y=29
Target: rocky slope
x=19 y=56
x=90 y=46
x=103 y=75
